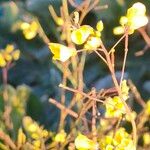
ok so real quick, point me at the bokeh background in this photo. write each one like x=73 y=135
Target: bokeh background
x=35 y=70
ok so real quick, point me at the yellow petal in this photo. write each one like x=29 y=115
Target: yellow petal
x=7 y=57
x=34 y=26
x=16 y=54
x=60 y=137
x=61 y=52
x=123 y=20
x=138 y=9
x=59 y=21
x=118 y=30
x=146 y=138
x=79 y=36
x=9 y=48
x=138 y=22
x=29 y=34
x=2 y=61
x=141 y=9
x=21 y=138
x=24 y=26
x=82 y=142
x=100 y=26
x=93 y=43
x=109 y=147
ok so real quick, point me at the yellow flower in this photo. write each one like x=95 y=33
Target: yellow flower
x=79 y=36
x=61 y=52
x=146 y=138
x=99 y=26
x=37 y=144
x=121 y=140
x=29 y=30
x=137 y=9
x=106 y=142
x=123 y=20
x=16 y=54
x=114 y=107
x=2 y=61
x=24 y=26
x=134 y=19
x=109 y=147
x=21 y=139
x=119 y=136
x=118 y=30
x=60 y=137
x=8 y=54
x=59 y=21
x=131 y=116
x=9 y=48
x=84 y=143
x=136 y=16
x=33 y=129
x=147 y=108
x=124 y=90
x=93 y=43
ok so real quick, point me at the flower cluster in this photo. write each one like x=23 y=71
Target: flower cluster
x=114 y=105
x=83 y=35
x=35 y=131
x=88 y=36
x=60 y=137
x=120 y=140
x=134 y=19
x=8 y=55
x=30 y=30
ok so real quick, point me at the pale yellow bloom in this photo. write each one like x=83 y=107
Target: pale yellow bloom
x=109 y=147
x=84 y=143
x=59 y=21
x=93 y=43
x=16 y=54
x=121 y=140
x=8 y=54
x=9 y=48
x=60 y=137
x=146 y=138
x=114 y=107
x=118 y=30
x=79 y=36
x=99 y=26
x=136 y=16
x=147 y=108
x=21 y=139
x=61 y=52
x=123 y=20
x=2 y=61
x=37 y=144
x=30 y=30
x=134 y=19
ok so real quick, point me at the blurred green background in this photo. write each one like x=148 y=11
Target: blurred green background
x=35 y=68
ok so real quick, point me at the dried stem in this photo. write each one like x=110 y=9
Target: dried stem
x=94 y=130
x=63 y=108
x=136 y=94
x=7 y=140
x=145 y=36
x=125 y=56
x=128 y=110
